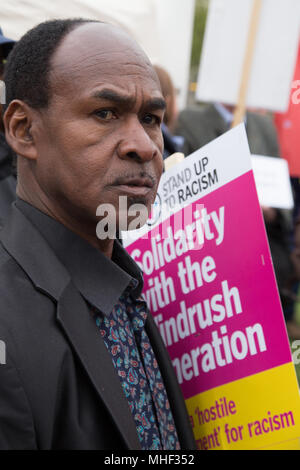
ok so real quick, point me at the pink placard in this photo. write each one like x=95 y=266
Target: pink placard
x=217 y=304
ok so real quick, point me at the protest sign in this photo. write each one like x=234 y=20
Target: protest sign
x=272 y=182
x=210 y=285
x=288 y=125
x=274 y=59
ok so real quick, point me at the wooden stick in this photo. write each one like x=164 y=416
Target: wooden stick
x=240 y=109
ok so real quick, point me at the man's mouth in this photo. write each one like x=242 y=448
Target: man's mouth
x=137 y=186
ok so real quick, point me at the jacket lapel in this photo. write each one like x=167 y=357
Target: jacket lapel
x=30 y=250
x=79 y=326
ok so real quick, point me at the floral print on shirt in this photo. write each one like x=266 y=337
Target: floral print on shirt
x=125 y=337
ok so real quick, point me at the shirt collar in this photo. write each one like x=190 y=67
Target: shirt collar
x=101 y=281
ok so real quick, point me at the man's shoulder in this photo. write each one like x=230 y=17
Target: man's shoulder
x=262 y=134
x=4 y=257
x=15 y=284
x=261 y=120
x=198 y=113
x=199 y=126
x=21 y=301
x=10 y=271
x=201 y=123
x=27 y=315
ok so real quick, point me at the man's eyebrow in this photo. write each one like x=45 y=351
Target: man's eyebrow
x=156 y=104
x=111 y=95
x=114 y=97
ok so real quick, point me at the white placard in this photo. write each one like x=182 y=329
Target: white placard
x=274 y=58
x=272 y=182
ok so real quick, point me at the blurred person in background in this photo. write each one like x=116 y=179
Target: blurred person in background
x=6 y=46
x=7 y=156
x=172 y=143
x=201 y=125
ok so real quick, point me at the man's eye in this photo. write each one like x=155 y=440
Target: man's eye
x=151 y=119
x=105 y=114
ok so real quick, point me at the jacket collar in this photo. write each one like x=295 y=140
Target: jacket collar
x=25 y=244
x=31 y=251
x=100 y=280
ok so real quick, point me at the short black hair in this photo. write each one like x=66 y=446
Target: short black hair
x=27 y=70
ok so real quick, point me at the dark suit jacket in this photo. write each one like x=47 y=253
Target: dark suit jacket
x=6 y=158
x=201 y=125
x=7 y=179
x=7 y=197
x=59 y=389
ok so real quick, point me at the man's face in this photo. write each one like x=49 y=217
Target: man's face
x=100 y=136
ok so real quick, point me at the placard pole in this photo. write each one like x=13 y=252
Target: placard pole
x=240 y=109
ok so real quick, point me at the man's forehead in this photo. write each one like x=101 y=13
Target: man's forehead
x=93 y=45
x=98 y=54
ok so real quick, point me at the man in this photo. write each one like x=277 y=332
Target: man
x=85 y=365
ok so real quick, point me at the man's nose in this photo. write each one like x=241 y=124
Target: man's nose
x=136 y=143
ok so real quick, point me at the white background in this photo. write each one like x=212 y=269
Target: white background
x=274 y=58
x=164 y=28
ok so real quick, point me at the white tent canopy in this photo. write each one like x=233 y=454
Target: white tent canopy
x=162 y=27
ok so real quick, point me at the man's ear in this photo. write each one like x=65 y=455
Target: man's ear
x=19 y=122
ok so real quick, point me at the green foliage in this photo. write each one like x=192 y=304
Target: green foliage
x=199 y=28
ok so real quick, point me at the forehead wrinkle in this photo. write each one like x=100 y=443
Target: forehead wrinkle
x=98 y=58
x=101 y=67
x=98 y=67
x=129 y=101
x=97 y=44
x=92 y=79
x=116 y=55
x=105 y=72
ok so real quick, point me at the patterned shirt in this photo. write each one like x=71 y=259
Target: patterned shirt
x=124 y=335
